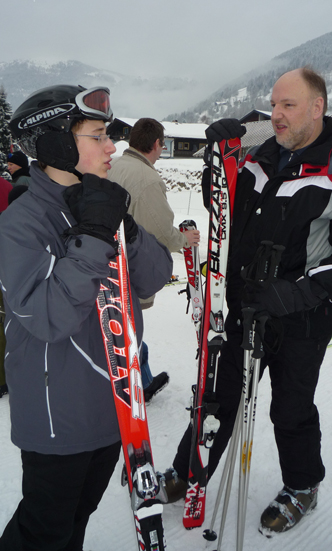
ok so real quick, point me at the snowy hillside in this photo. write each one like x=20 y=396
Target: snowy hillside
x=132 y=95
x=172 y=345
x=253 y=90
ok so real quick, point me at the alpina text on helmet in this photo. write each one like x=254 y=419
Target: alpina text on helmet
x=48 y=114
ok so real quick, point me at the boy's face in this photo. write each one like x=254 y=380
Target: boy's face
x=95 y=154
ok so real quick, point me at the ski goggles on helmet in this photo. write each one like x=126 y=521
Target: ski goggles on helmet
x=95 y=103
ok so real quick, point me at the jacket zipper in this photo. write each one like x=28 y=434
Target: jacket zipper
x=47 y=394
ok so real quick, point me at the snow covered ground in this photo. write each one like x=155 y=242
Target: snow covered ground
x=172 y=345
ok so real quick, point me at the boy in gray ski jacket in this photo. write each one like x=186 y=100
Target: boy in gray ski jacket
x=62 y=409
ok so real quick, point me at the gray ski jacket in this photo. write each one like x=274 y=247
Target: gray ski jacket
x=60 y=393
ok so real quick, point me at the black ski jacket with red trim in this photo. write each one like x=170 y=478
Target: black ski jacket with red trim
x=291 y=207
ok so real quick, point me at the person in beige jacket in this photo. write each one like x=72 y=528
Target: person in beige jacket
x=135 y=171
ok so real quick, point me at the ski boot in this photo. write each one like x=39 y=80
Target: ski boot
x=175 y=487
x=158 y=383
x=287 y=509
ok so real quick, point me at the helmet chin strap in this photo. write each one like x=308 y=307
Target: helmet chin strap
x=78 y=174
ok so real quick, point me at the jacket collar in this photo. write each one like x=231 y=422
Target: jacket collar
x=45 y=188
x=132 y=152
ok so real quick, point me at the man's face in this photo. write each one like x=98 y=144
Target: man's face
x=94 y=153
x=12 y=167
x=296 y=112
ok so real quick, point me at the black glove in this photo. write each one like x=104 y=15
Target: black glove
x=98 y=206
x=225 y=129
x=283 y=297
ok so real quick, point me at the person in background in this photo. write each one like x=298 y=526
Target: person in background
x=62 y=409
x=5 y=189
x=284 y=196
x=18 y=166
x=135 y=171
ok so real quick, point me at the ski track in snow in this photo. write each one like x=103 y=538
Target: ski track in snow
x=170 y=335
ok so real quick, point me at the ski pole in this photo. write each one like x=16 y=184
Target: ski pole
x=258 y=328
x=233 y=446
x=247 y=345
x=228 y=472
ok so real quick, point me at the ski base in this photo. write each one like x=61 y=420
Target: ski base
x=149 y=527
x=194 y=506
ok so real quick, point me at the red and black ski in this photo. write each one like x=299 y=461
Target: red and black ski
x=118 y=329
x=224 y=166
x=191 y=259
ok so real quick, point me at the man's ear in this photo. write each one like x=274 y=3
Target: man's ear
x=156 y=145
x=318 y=107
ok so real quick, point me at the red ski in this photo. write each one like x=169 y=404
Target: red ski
x=118 y=329
x=225 y=160
x=191 y=259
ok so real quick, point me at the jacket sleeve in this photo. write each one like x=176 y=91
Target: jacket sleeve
x=323 y=275
x=150 y=264
x=51 y=297
x=153 y=211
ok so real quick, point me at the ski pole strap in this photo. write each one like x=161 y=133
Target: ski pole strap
x=259 y=332
x=248 y=318
x=264 y=267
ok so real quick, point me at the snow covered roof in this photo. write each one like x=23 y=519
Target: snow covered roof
x=175 y=129
x=126 y=120
x=256 y=112
x=184 y=130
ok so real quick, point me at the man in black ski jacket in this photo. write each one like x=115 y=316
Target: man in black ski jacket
x=283 y=195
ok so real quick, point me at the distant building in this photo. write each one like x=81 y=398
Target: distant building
x=181 y=139
x=256 y=115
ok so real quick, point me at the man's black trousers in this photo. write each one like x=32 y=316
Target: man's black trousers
x=294 y=372
x=59 y=494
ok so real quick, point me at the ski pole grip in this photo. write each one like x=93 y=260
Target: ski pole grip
x=261 y=320
x=248 y=316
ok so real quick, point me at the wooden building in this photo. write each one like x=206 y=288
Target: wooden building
x=256 y=115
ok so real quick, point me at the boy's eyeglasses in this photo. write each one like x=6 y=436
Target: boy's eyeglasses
x=100 y=138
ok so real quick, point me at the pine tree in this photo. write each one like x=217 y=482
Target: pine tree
x=5 y=139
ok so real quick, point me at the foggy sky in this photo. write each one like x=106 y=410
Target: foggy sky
x=211 y=41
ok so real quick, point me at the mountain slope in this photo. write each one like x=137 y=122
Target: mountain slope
x=131 y=96
x=252 y=90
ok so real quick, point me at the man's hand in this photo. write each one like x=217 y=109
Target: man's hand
x=283 y=297
x=225 y=129
x=193 y=237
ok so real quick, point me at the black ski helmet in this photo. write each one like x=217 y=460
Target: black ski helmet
x=42 y=123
